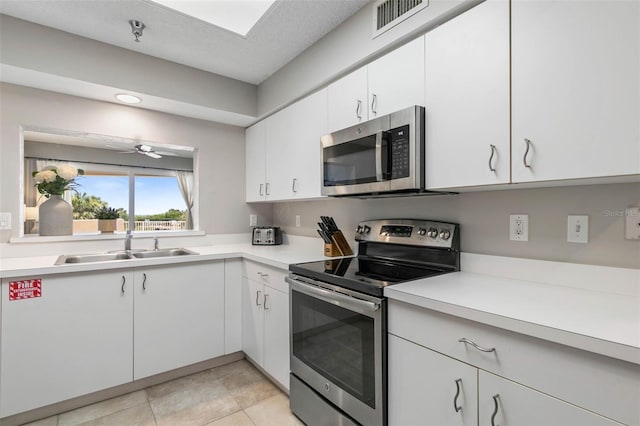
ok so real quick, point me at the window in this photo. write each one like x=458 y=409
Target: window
x=148 y=194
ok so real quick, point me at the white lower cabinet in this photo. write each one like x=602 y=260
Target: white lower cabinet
x=178 y=316
x=76 y=338
x=426 y=388
x=92 y=331
x=506 y=403
x=507 y=379
x=265 y=319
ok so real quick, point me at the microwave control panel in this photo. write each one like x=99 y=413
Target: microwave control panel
x=400 y=155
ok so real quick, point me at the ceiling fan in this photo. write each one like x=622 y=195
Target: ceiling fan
x=144 y=149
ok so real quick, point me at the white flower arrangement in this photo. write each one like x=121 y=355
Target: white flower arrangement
x=53 y=180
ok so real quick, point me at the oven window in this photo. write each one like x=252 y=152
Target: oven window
x=337 y=343
x=350 y=163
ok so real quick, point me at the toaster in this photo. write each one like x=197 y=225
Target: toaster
x=266 y=236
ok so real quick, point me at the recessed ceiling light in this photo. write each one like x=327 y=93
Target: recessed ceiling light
x=232 y=15
x=129 y=99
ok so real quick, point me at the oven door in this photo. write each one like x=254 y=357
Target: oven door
x=338 y=347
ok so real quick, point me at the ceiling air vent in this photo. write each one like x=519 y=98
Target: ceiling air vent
x=389 y=13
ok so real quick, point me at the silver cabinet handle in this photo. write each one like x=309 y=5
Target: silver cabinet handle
x=293 y=185
x=144 y=282
x=266 y=297
x=475 y=345
x=124 y=280
x=267 y=187
x=495 y=410
x=524 y=158
x=493 y=152
x=358 y=109
x=455 y=398
x=258 y=298
x=374 y=104
x=261 y=186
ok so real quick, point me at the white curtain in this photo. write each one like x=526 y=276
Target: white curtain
x=185 y=182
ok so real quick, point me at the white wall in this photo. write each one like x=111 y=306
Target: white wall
x=484 y=220
x=220 y=158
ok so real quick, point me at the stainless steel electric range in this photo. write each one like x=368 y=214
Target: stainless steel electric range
x=338 y=331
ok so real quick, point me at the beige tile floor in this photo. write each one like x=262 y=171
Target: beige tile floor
x=235 y=394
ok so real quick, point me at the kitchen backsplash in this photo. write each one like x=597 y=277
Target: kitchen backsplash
x=484 y=220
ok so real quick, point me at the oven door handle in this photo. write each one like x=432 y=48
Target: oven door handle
x=333 y=297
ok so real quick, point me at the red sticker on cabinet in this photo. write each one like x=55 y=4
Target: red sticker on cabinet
x=25 y=289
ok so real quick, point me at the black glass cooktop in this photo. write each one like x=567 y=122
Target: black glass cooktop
x=361 y=274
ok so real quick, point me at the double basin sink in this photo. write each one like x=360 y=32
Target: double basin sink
x=123 y=255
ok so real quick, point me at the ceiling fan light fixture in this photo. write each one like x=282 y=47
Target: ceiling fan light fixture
x=128 y=99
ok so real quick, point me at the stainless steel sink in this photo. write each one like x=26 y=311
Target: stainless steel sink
x=163 y=253
x=122 y=255
x=86 y=258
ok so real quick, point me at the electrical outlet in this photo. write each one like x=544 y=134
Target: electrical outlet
x=253 y=220
x=632 y=223
x=297 y=221
x=519 y=227
x=5 y=220
x=577 y=229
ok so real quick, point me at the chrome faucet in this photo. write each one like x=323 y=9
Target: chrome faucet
x=156 y=247
x=127 y=241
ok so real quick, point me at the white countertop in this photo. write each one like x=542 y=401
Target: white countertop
x=603 y=322
x=282 y=256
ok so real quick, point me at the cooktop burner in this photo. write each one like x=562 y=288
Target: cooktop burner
x=390 y=251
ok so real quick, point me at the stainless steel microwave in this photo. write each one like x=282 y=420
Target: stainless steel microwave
x=381 y=157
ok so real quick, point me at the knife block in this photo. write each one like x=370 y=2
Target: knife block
x=331 y=250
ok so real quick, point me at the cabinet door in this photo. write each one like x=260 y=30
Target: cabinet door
x=179 y=316
x=255 y=162
x=514 y=404
x=232 y=305
x=396 y=80
x=347 y=100
x=252 y=320
x=423 y=387
x=467 y=92
x=308 y=122
x=293 y=148
x=73 y=340
x=575 y=89
x=276 y=335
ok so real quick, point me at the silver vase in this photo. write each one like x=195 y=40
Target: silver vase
x=56 y=217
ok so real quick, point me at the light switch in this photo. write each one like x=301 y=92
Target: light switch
x=578 y=229
x=5 y=220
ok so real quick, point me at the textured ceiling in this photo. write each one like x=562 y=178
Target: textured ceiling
x=287 y=29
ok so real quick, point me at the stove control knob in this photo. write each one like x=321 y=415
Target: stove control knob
x=445 y=235
x=432 y=233
x=359 y=229
x=422 y=231
x=367 y=229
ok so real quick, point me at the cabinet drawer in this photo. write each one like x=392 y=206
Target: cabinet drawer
x=259 y=272
x=595 y=382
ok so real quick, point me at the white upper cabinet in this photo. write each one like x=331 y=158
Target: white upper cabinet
x=255 y=162
x=293 y=149
x=467 y=99
x=575 y=89
x=396 y=80
x=347 y=99
x=390 y=83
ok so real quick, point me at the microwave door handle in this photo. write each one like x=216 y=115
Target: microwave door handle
x=379 y=157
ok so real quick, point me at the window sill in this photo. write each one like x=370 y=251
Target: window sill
x=30 y=239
